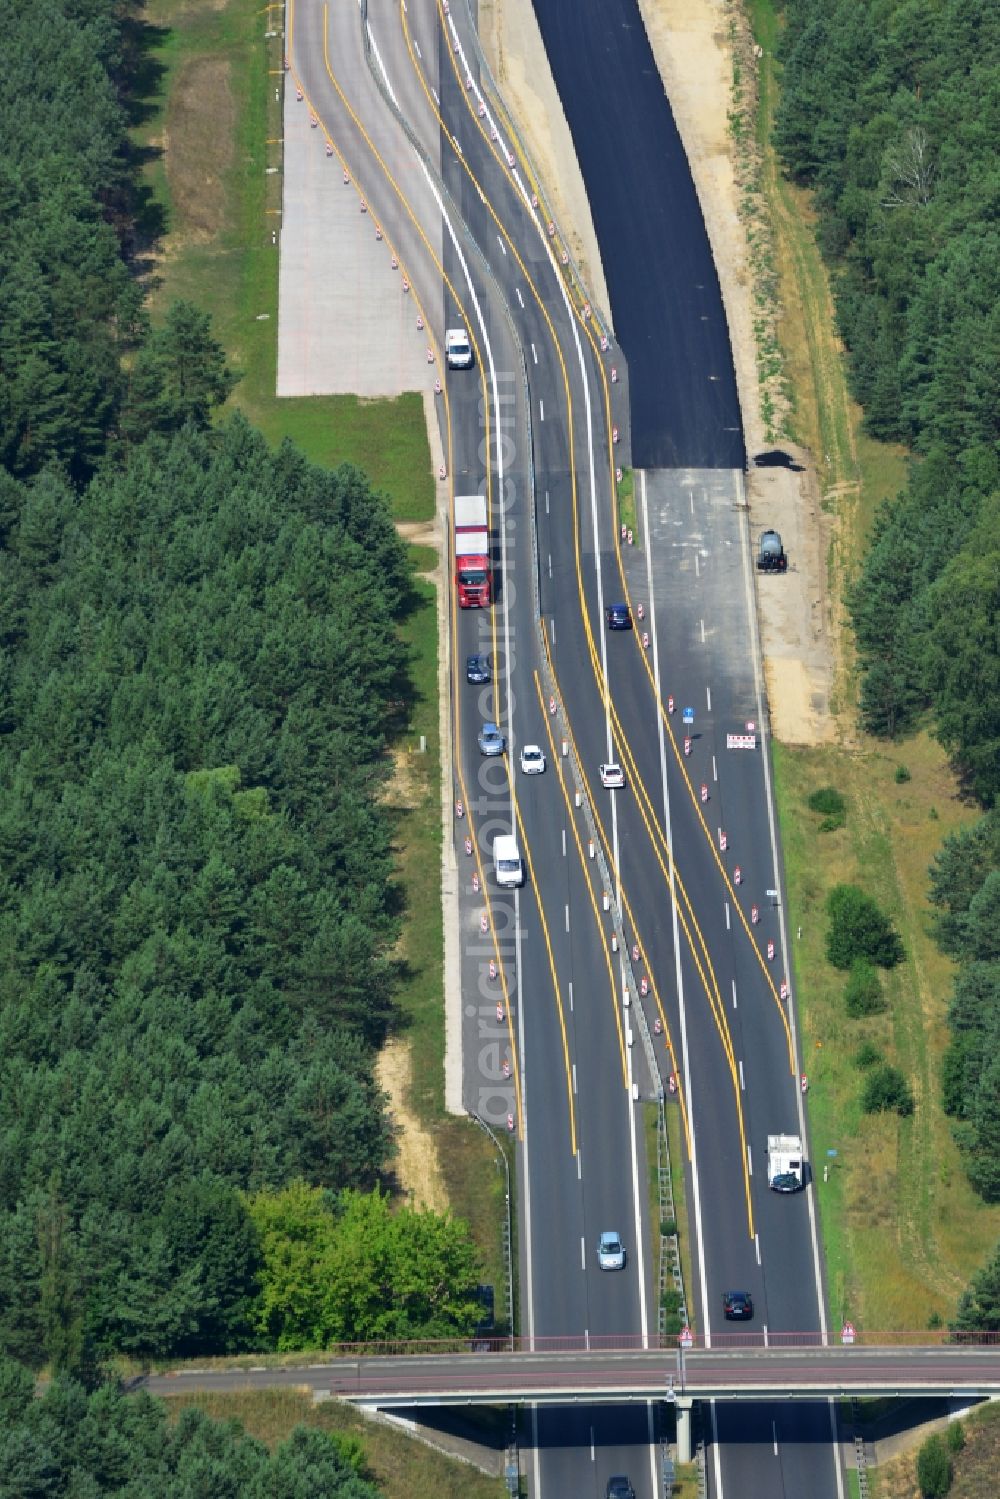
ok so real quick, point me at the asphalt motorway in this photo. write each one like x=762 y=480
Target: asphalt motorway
x=537 y=407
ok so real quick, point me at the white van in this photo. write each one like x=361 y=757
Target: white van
x=507 y=860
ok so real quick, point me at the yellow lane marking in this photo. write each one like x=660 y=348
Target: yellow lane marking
x=613 y=987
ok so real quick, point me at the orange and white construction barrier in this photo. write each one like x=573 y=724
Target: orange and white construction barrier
x=737 y=876
x=704 y=791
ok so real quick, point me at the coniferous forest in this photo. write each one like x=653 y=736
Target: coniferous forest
x=201 y=677
x=890 y=113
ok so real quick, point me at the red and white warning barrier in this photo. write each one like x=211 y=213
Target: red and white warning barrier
x=657 y=1026
x=754 y=914
x=475 y=884
x=605 y=346
x=614 y=375
x=704 y=791
x=394 y=262
x=378 y=231
x=687 y=745
x=644 y=986
x=347 y=176
x=804 y=1083
x=437 y=387
x=468 y=847
x=741 y=741
x=430 y=354
x=635 y=952
x=506 y=1067
x=442 y=472
x=493 y=968
x=552 y=705
x=645 y=640
x=459 y=809
x=499 y=1012
x=313 y=121
x=672 y=1083
x=640 y=611
x=329 y=148
x=420 y=321
x=770 y=951
x=631 y=539
x=723 y=842
x=510 y=1124
x=624 y=530
x=484 y=922
x=784 y=989
x=670 y=704
x=614 y=434
x=737 y=876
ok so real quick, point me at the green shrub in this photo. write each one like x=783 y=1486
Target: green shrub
x=670 y=1299
x=867 y=1055
x=886 y=1091
x=863 y=995
x=858 y=929
x=954 y=1437
x=668 y=1227
x=831 y=804
x=901 y=774
x=672 y=1322
x=933 y=1468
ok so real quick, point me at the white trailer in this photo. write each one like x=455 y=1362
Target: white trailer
x=784 y=1163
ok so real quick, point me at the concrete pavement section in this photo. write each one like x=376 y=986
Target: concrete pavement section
x=345 y=325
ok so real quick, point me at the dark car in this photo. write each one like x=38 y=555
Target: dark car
x=477 y=669
x=738 y=1306
x=619 y=617
x=619 y=1488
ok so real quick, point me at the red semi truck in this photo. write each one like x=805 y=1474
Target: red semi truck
x=472 y=552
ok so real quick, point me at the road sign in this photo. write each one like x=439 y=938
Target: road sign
x=741 y=741
x=847 y=1333
x=688 y=715
x=686 y=1338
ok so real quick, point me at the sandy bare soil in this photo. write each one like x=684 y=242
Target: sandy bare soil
x=417 y=1167
x=690 y=41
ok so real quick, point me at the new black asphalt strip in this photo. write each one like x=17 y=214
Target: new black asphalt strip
x=665 y=297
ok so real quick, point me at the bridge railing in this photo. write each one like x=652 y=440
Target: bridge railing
x=737 y=1340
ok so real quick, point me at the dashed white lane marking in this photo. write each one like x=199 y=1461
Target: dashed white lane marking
x=550 y=564
x=517 y=290
x=728 y=927
x=501 y=244
x=547 y=511
x=583 y=1254
x=574 y=1077
x=553 y=629
x=743 y=1086
x=715 y=770
x=774 y=1434
x=750 y=1159
x=734 y=994
x=564 y=842
x=579 y=1165
x=703 y=632
x=541 y=410
x=756 y=1240
x=566 y=908
x=708 y=698
x=571 y=996
x=534 y=354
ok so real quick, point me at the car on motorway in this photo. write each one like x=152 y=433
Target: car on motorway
x=737 y=1306
x=610 y=1251
x=457 y=349
x=619 y=617
x=619 y=1488
x=612 y=776
x=532 y=760
x=478 y=669
x=491 y=740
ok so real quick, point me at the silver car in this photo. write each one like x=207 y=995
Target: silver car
x=491 y=740
x=610 y=1251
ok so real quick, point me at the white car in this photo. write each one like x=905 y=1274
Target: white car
x=532 y=760
x=610 y=1251
x=612 y=776
x=457 y=349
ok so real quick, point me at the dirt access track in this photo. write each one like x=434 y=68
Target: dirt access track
x=693 y=51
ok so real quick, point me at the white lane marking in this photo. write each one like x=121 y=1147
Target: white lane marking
x=541 y=409
x=716 y=1449
x=636 y=1200
x=728 y=927
x=550 y=564
x=534 y=355
x=416 y=48
x=756 y=1241
x=592 y=1457
x=743 y=1086
x=703 y=632
x=583 y=1254
x=715 y=770
x=535 y=1463
x=691 y=498
x=708 y=698
x=571 y=996
x=547 y=509
x=697 y=566
x=566 y=908
x=553 y=629
x=765 y=760
x=750 y=1159
x=564 y=842
x=734 y=994
x=437 y=97
x=681 y=1005
x=502 y=245
x=574 y=1077
x=766 y=1343
x=774 y=1435
x=517 y=291
x=579 y=1165
x=651 y=1444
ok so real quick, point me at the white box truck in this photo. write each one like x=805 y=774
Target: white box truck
x=507 y=860
x=784 y=1163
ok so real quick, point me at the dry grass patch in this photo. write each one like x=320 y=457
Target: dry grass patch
x=198 y=149
x=416 y=1167
x=403 y=1467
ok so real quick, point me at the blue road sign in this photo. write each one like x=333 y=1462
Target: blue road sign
x=688 y=715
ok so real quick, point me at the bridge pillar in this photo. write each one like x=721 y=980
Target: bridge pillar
x=682 y=1407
